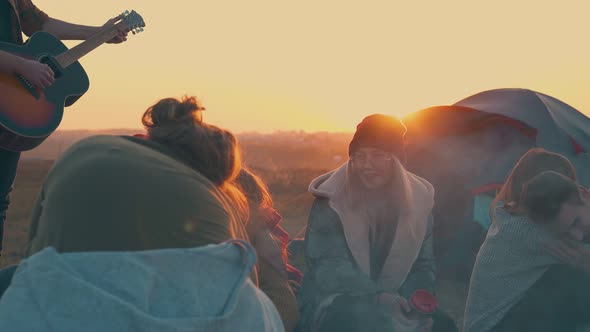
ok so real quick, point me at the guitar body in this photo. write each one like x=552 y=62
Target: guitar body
x=28 y=116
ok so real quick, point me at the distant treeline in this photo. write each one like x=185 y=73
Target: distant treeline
x=270 y=151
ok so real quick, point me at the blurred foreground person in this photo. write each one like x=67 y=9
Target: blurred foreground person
x=132 y=234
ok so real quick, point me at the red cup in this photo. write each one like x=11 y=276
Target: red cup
x=423 y=302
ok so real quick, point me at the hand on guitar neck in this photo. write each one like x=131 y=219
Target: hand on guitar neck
x=122 y=30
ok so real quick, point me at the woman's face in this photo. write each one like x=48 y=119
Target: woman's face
x=372 y=166
x=574 y=219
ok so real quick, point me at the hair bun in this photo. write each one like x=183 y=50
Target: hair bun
x=187 y=106
x=171 y=111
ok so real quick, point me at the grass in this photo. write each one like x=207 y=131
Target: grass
x=26 y=188
x=289 y=189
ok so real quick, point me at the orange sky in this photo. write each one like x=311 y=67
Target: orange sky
x=324 y=64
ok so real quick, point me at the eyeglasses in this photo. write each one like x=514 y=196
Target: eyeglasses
x=376 y=158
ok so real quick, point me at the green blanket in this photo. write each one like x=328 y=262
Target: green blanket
x=118 y=193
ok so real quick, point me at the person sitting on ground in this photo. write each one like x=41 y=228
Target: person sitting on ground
x=560 y=299
x=127 y=234
x=247 y=194
x=210 y=150
x=512 y=257
x=369 y=257
x=182 y=159
x=270 y=241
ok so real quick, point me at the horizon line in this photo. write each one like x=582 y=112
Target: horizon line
x=235 y=132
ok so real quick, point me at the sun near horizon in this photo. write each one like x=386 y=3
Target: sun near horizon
x=265 y=66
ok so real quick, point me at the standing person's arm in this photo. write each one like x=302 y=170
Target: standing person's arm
x=33 y=19
x=39 y=74
x=70 y=31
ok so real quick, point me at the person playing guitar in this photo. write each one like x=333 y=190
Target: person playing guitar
x=16 y=17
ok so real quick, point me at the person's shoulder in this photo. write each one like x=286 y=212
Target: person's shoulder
x=99 y=141
x=322 y=217
x=422 y=190
x=321 y=205
x=25 y=7
x=145 y=141
x=116 y=142
x=516 y=226
x=140 y=139
x=503 y=214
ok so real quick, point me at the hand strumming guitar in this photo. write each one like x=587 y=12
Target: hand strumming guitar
x=37 y=73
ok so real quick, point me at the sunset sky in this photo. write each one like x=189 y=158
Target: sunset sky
x=312 y=65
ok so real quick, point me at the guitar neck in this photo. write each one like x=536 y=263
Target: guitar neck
x=75 y=53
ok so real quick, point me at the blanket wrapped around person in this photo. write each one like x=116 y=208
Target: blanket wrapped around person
x=196 y=289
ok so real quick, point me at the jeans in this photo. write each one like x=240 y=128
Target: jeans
x=8 y=165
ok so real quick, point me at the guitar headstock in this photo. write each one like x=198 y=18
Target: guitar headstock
x=133 y=21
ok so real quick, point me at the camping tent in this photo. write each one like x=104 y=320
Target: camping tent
x=467 y=149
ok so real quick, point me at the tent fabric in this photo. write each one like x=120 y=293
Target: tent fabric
x=469 y=148
x=481 y=208
x=485 y=128
x=477 y=148
x=561 y=128
x=486 y=188
x=555 y=120
x=452 y=120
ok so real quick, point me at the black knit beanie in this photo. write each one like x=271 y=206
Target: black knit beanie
x=379 y=131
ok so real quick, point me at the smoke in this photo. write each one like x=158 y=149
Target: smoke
x=456 y=163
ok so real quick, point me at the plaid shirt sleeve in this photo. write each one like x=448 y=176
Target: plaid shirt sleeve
x=31 y=17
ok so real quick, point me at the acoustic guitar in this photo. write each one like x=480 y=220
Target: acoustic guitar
x=28 y=115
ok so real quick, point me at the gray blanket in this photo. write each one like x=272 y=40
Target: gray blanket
x=509 y=262
x=197 y=289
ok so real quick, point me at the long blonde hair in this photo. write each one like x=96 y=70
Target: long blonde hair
x=532 y=163
x=357 y=197
x=254 y=188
